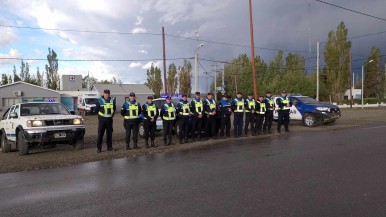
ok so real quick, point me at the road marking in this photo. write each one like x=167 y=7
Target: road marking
x=369 y=128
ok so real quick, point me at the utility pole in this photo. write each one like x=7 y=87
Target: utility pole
x=164 y=54
x=215 y=83
x=223 y=78
x=195 y=67
x=252 y=50
x=317 y=71
x=350 y=77
x=236 y=83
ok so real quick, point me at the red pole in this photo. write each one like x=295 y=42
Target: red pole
x=163 y=43
x=253 y=50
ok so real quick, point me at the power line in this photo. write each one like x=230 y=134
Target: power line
x=347 y=9
x=94 y=60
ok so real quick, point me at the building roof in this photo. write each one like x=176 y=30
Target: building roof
x=122 y=89
x=22 y=82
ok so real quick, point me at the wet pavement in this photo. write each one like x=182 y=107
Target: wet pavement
x=327 y=173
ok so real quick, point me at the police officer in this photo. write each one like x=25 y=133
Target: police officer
x=283 y=104
x=238 y=109
x=168 y=115
x=250 y=116
x=225 y=107
x=270 y=106
x=260 y=114
x=183 y=110
x=130 y=111
x=105 y=109
x=197 y=109
x=150 y=114
x=210 y=111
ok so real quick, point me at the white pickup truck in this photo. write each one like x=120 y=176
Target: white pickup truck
x=30 y=125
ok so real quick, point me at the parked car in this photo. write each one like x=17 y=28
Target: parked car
x=34 y=124
x=311 y=112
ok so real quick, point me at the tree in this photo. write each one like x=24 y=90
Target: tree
x=16 y=78
x=4 y=79
x=154 y=81
x=185 y=78
x=39 y=78
x=373 y=79
x=52 y=70
x=10 y=80
x=172 y=79
x=337 y=57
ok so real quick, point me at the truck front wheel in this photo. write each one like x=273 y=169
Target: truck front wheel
x=5 y=145
x=310 y=120
x=22 y=145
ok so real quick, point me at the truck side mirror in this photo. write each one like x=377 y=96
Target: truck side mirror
x=13 y=115
x=72 y=112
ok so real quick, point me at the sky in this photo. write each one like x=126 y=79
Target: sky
x=130 y=30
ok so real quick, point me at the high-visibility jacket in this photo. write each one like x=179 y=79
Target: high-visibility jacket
x=251 y=105
x=262 y=108
x=211 y=104
x=108 y=108
x=170 y=112
x=271 y=103
x=151 y=110
x=132 y=110
x=184 y=108
x=198 y=106
x=285 y=101
x=239 y=105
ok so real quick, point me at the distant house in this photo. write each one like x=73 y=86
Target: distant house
x=121 y=91
x=356 y=93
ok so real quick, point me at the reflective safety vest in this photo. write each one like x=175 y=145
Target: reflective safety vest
x=199 y=107
x=108 y=108
x=171 y=112
x=185 y=109
x=251 y=104
x=262 y=108
x=239 y=105
x=285 y=102
x=151 y=110
x=132 y=110
x=212 y=105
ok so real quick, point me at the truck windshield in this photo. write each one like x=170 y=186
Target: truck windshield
x=308 y=100
x=43 y=109
x=91 y=101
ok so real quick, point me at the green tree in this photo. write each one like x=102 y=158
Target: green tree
x=39 y=77
x=373 y=79
x=337 y=57
x=52 y=70
x=154 y=81
x=16 y=78
x=185 y=78
x=172 y=79
x=4 y=79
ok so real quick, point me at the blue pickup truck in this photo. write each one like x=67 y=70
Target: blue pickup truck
x=311 y=112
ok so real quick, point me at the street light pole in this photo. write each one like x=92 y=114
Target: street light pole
x=252 y=50
x=195 y=67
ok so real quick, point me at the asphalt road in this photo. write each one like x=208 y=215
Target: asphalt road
x=326 y=173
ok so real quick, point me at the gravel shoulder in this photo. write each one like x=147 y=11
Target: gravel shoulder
x=64 y=155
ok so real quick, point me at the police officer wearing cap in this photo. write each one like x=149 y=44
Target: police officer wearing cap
x=168 y=115
x=183 y=111
x=105 y=109
x=238 y=109
x=150 y=114
x=225 y=108
x=250 y=116
x=130 y=111
x=270 y=107
x=284 y=105
x=210 y=111
x=197 y=108
x=260 y=114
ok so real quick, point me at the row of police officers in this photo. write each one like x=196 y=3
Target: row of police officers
x=197 y=120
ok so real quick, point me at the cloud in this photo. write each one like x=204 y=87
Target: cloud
x=11 y=57
x=8 y=36
x=139 y=30
x=135 y=65
x=139 y=21
x=142 y=51
x=155 y=64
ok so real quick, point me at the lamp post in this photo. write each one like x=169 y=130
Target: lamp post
x=195 y=67
x=363 y=79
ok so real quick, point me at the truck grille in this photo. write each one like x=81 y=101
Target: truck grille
x=57 y=122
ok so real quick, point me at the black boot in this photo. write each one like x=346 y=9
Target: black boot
x=165 y=142
x=136 y=146
x=147 y=144
x=128 y=147
x=152 y=144
x=186 y=140
x=170 y=141
x=181 y=142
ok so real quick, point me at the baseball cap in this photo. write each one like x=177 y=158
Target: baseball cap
x=132 y=94
x=197 y=93
x=106 y=91
x=168 y=97
x=150 y=97
x=184 y=95
x=239 y=93
x=210 y=94
x=268 y=92
x=284 y=91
